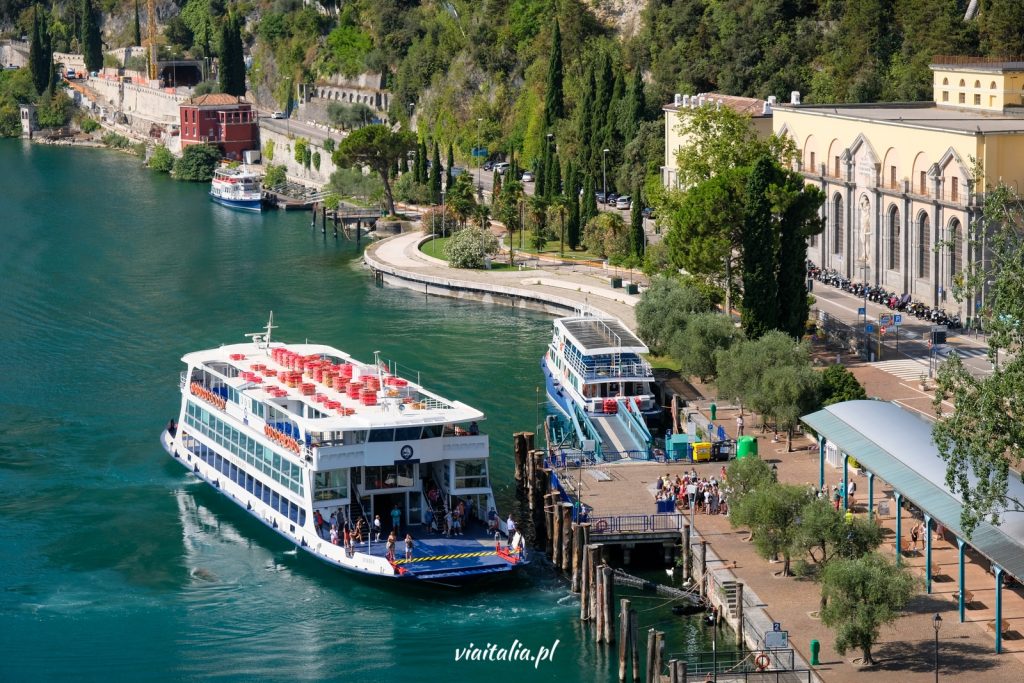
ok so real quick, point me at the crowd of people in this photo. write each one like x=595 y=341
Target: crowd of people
x=709 y=494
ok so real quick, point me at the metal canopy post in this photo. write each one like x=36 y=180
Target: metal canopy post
x=899 y=525
x=961 y=601
x=999 y=608
x=928 y=554
x=846 y=481
x=821 y=462
x=871 y=495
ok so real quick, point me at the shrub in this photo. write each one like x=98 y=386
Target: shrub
x=316 y=160
x=467 y=248
x=161 y=161
x=197 y=163
x=90 y=125
x=116 y=140
x=275 y=176
x=268 y=150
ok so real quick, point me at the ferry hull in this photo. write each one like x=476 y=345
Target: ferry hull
x=444 y=576
x=255 y=205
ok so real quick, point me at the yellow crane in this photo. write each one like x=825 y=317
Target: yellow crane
x=151 y=37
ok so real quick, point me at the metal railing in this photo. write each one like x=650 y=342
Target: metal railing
x=636 y=523
x=726 y=663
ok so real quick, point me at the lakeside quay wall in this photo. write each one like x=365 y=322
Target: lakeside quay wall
x=467 y=289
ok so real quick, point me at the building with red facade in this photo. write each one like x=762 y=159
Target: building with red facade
x=223 y=120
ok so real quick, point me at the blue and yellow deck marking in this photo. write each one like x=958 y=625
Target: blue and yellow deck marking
x=437 y=558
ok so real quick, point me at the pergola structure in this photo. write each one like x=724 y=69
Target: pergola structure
x=896 y=445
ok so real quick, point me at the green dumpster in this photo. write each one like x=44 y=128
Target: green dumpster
x=714 y=412
x=815 y=651
x=746 y=445
x=616 y=282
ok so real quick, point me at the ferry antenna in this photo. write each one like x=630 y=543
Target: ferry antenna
x=262 y=339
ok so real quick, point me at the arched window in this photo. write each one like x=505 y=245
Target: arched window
x=992 y=86
x=977 y=84
x=963 y=83
x=945 y=81
x=956 y=256
x=924 y=246
x=894 y=238
x=837 y=224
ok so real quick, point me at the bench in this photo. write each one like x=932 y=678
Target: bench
x=1006 y=626
x=968 y=598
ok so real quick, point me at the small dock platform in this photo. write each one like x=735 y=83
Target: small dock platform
x=292 y=196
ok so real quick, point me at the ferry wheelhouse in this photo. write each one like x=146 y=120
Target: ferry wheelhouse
x=238 y=188
x=296 y=432
x=597 y=380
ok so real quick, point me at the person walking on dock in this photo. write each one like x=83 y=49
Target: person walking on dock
x=408 y=546
x=396 y=519
x=510 y=527
x=739 y=425
x=376 y=528
x=391 y=547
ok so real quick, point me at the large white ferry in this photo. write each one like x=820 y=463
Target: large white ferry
x=294 y=433
x=597 y=380
x=238 y=188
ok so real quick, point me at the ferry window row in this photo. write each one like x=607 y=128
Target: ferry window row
x=255 y=454
x=254 y=486
x=470 y=473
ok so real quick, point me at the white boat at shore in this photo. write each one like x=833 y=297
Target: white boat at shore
x=295 y=433
x=237 y=188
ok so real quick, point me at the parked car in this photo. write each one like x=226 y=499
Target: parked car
x=648 y=212
x=610 y=199
x=277 y=115
x=502 y=167
x=488 y=165
x=624 y=202
x=528 y=176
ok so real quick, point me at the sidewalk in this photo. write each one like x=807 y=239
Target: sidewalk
x=548 y=284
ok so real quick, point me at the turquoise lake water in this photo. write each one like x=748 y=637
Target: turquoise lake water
x=115 y=563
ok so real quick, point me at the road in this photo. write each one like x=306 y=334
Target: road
x=315 y=133
x=912 y=357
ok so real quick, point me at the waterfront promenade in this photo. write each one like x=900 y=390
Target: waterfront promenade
x=905 y=649
x=554 y=286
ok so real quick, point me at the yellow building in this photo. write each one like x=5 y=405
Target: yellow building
x=759 y=111
x=902 y=204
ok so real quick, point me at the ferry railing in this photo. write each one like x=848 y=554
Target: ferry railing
x=588 y=429
x=636 y=523
x=183 y=379
x=633 y=424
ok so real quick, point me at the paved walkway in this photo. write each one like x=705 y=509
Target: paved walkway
x=546 y=284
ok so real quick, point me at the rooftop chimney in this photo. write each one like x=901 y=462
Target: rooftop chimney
x=686 y=100
x=794 y=97
x=677 y=100
x=772 y=100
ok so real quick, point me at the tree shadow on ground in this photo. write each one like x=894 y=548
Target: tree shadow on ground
x=955 y=656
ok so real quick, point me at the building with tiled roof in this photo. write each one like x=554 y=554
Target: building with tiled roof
x=220 y=119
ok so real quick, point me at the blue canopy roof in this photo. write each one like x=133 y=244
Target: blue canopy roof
x=896 y=445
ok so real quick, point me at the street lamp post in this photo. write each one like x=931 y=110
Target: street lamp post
x=288 y=114
x=604 y=176
x=937 y=624
x=480 y=163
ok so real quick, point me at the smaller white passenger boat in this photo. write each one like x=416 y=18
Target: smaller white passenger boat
x=238 y=188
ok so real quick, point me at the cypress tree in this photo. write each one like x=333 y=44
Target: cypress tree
x=421 y=163
x=495 y=188
x=760 y=288
x=449 y=167
x=92 y=49
x=572 y=192
x=589 y=209
x=136 y=28
x=513 y=166
x=36 y=55
x=542 y=167
x=633 y=112
x=554 y=177
x=613 y=120
x=636 y=224
x=435 y=176
x=553 y=106
x=232 y=63
x=584 y=113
